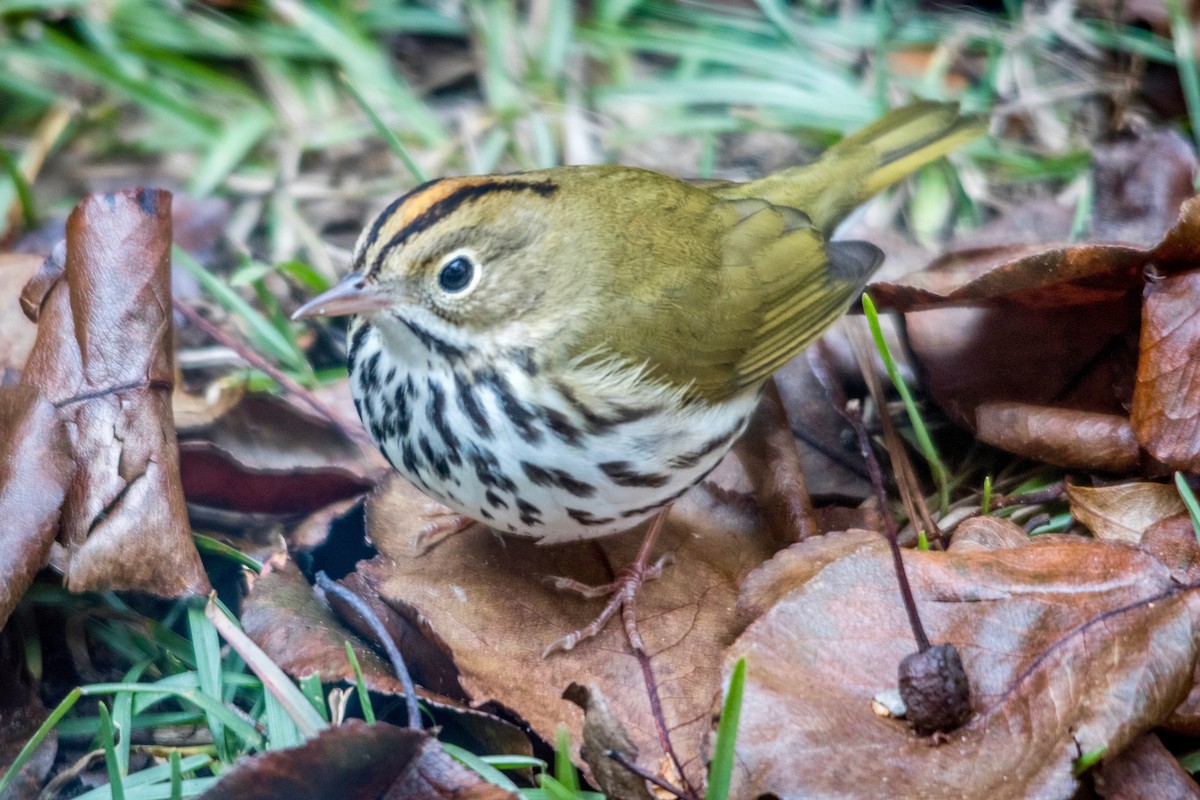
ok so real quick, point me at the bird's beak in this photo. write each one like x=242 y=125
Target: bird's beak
x=353 y=295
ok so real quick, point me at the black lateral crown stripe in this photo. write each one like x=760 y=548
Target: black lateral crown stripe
x=386 y=214
x=445 y=206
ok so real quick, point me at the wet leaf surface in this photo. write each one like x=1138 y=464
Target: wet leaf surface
x=356 y=761
x=16 y=331
x=1062 y=436
x=1070 y=646
x=35 y=471
x=484 y=598
x=1125 y=511
x=1166 y=400
x=1145 y=770
x=286 y=618
x=264 y=455
x=104 y=357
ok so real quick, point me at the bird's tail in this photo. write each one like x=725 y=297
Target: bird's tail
x=867 y=162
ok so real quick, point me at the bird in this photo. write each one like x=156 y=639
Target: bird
x=562 y=353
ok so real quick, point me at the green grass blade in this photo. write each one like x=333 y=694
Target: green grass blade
x=176 y=776
x=282 y=731
x=265 y=336
x=307 y=720
x=364 y=697
x=207 y=544
x=107 y=738
x=1189 y=500
x=564 y=770
x=389 y=136
x=924 y=441
x=229 y=148
x=1185 y=62
x=207 y=647
x=485 y=770
x=720 y=771
x=122 y=716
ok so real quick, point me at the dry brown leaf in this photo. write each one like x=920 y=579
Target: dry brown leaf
x=16 y=331
x=1141 y=183
x=35 y=470
x=1071 y=646
x=104 y=357
x=987 y=533
x=1125 y=511
x=604 y=733
x=1166 y=399
x=484 y=598
x=1173 y=542
x=356 y=761
x=1145 y=770
x=1065 y=437
x=284 y=617
x=266 y=456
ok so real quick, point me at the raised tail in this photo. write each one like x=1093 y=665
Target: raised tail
x=867 y=162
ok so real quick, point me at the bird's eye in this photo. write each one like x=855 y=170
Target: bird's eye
x=456 y=274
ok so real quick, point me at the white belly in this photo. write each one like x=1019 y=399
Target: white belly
x=537 y=457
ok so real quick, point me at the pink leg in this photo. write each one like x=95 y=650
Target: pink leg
x=622 y=591
x=443 y=523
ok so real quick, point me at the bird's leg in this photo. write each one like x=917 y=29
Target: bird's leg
x=768 y=453
x=622 y=593
x=443 y=523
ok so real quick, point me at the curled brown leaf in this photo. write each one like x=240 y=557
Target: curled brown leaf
x=1061 y=436
x=104 y=357
x=35 y=470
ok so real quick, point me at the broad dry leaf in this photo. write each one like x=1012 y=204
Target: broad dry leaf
x=1145 y=770
x=1166 y=400
x=16 y=331
x=987 y=533
x=284 y=616
x=1124 y=511
x=356 y=761
x=485 y=599
x=104 y=357
x=1066 y=437
x=35 y=470
x=1071 y=646
x=265 y=455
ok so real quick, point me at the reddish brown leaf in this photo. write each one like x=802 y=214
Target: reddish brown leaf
x=16 y=331
x=289 y=622
x=104 y=357
x=1125 y=511
x=264 y=455
x=35 y=470
x=1144 y=771
x=1068 y=438
x=356 y=761
x=1173 y=542
x=485 y=599
x=987 y=533
x=1070 y=646
x=1166 y=400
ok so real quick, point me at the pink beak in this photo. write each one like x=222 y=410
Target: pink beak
x=353 y=295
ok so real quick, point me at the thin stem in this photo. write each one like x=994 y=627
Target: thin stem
x=389 y=644
x=649 y=777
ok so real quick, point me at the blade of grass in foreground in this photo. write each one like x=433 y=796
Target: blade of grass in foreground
x=720 y=771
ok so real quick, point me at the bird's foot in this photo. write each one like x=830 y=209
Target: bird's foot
x=443 y=523
x=622 y=595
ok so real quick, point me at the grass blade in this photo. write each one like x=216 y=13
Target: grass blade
x=720 y=771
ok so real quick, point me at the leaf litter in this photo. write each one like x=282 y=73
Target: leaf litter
x=1073 y=646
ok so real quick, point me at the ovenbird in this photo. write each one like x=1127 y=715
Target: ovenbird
x=564 y=352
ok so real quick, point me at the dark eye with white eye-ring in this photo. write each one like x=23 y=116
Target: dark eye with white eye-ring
x=456 y=274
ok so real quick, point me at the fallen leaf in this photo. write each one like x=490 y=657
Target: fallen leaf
x=987 y=533
x=1173 y=542
x=266 y=456
x=284 y=616
x=1141 y=182
x=1070 y=646
x=484 y=598
x=1166 y=400
x=103 y=356
x=16 y=331
x=1123 y=512
x=1060 y=436
x=356 y=761
x=35 y=470
x=604 y=733
x=1145 y=770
